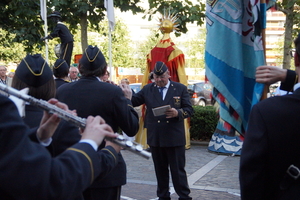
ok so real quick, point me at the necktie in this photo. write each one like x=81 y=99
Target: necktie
x=161 y=90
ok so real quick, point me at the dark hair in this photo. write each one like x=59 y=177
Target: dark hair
x=60 y=73
x=150 y=76
x=86 y=71
x=297 y=44
x=45 y=92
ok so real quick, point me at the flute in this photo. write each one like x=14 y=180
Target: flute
x=78 y=121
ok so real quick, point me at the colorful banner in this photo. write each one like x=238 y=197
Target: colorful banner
x=234 y=50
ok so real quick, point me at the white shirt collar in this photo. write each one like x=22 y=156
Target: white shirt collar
x=296 y=86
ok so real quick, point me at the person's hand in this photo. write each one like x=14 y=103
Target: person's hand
x=172 y=112
x=96 y=129
x=50 y=122
x=126 y=90
x=114 y=145
x=111 y=82
x=270 y=74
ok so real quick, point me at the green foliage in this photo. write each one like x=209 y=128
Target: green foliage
x=203 y=122
x=195 y=48
x=10 y=52
x=121 y=49
x=21 y=19
x=291 y=9
x=143 y=48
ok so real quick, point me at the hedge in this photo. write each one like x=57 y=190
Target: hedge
x=203 y=123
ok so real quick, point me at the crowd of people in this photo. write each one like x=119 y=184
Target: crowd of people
x=45 y=157
x=91 y=167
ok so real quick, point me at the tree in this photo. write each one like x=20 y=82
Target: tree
x=22 y=18
x=143 y=48
x=89 y=13
x=195 y=48
x=11 y=52
x=291 y=9
x=121 y=48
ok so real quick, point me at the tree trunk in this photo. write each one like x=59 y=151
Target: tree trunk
x=83 y=26
x=288 y=39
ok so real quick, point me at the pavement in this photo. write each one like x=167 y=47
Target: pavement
x=211 y=176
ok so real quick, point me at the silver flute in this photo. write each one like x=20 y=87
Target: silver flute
x=78 y=121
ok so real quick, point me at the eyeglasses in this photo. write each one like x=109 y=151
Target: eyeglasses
x=73 y=72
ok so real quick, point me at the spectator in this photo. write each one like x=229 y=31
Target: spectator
x=105 y=77
x=3 y=77
x=73 y=74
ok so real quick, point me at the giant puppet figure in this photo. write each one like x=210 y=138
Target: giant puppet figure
x=165 y=51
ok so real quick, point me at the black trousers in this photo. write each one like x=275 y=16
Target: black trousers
x=173 y=157
x=66 y=50
x=111 y=193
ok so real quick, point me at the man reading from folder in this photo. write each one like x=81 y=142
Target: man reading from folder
x=166 y=136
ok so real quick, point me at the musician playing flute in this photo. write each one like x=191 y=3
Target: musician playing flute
x=28 y=171
x=90 y=96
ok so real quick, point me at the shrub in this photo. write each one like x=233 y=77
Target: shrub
x=203 y=122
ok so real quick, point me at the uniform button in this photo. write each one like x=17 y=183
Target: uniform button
x=167 y=121
x=158 y=121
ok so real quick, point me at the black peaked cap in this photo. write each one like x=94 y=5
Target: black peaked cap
x=60 y=65
x=93 y=58
x=34 y=71
x=160 y=68
x=54 y=14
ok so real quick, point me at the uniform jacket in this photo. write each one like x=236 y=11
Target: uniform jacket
x=89 y=96
x=290 y=80
x=29 y=172
x=63 y=32
x=59 y=82
x=271 y=145
x=65 y=135
x=163 y=132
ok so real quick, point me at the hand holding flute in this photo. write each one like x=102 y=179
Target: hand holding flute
x=96 y=129
x=78 y=121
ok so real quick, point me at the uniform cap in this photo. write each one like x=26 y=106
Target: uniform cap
x=93 y=58
x=55 y=14
x=60 y=65
x=34 y=71
x=160 y=68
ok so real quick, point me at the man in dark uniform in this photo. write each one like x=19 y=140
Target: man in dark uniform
x=166 y=135
x=29 y=172
x=269 y=165
x=90 y=96
x=66 y=38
